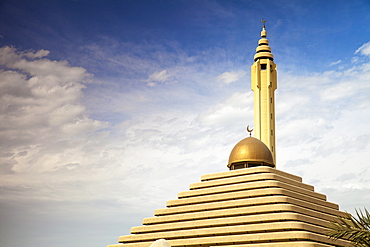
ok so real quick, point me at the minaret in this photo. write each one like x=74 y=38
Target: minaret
x=264 y=83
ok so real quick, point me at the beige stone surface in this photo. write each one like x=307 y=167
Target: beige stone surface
x=261 y=206
x=226 y=230
x=244 y=203
x=249 y=186
x=249 y=238
x=268 y=207
x=250 y=178
x=251 y=193
x=260 y=209
x=255 y=170
x=228 y=221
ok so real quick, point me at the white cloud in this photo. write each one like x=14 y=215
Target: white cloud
x=151 y=84
x=338 y=91
x=364 y=49
x=322 y=129
x=40 y=109
x=39 y=54
x=335 y=63
x=229 y=77
x=160 y=76
x=234 y=112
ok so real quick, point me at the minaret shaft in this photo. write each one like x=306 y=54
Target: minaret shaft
x=264 y=84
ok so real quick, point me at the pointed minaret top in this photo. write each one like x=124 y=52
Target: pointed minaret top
x=263 y=32
x=263 y=49
x=263 y=24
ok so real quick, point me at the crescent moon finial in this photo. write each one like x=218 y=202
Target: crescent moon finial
x=249 y=130
x=263 y=24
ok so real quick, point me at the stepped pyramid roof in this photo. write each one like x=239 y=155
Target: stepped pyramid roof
x=259 y=206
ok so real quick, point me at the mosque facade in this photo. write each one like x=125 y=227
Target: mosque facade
x=251 y=205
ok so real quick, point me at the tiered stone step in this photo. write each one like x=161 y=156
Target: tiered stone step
x=250 y=207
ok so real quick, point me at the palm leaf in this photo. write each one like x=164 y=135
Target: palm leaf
x=357 y=230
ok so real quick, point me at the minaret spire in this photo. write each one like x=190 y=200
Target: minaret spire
x=264 y=84
x=263 y=24
x=263 y=32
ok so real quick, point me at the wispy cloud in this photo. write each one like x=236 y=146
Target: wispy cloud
x=229 y=77
x=39 y=54
x=161 y=76
x=364 y=49
x=335 y=63
x=323 y=122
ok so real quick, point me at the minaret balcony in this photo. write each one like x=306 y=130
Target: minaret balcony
x=261 y=55
x=263 y=48
x=263 y=41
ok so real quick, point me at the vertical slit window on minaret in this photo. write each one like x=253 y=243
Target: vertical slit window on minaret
x=263 y=67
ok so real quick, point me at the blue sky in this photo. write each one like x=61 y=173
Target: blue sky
x=110 y=108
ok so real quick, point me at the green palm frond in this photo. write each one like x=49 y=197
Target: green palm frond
x=357 y=230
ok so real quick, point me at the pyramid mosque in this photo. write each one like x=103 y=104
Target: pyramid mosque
x=251 y=205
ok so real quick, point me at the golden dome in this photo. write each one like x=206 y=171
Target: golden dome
x=250 y=152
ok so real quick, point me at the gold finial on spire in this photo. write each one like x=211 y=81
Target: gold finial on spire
x=263 y=24
x=249 y=130
x=263 y=32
